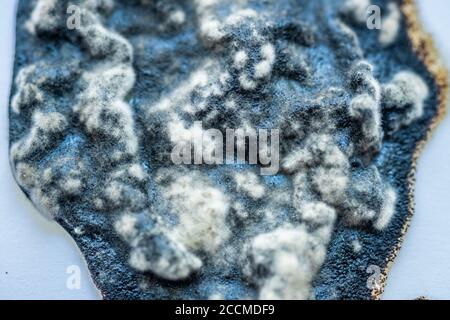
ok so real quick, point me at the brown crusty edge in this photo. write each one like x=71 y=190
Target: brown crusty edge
x=423 y=46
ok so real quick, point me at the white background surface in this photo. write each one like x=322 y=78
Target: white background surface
x=35 y=253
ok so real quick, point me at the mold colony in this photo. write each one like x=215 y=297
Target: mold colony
x=93 y=126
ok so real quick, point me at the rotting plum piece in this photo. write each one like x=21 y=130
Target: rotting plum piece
x=96 y=111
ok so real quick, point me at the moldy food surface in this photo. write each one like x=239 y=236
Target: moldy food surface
x=96 y=111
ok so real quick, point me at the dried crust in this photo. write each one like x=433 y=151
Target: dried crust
x=423 y=46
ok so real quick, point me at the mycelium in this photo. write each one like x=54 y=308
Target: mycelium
x=96 y=110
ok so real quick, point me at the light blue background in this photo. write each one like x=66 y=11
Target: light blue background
x=35 y=253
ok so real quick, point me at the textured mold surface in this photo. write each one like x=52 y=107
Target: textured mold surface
x=97 y=109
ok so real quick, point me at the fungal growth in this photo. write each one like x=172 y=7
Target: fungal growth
x=97 y=110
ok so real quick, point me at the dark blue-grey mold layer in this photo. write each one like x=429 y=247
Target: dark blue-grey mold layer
x=344 y=273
